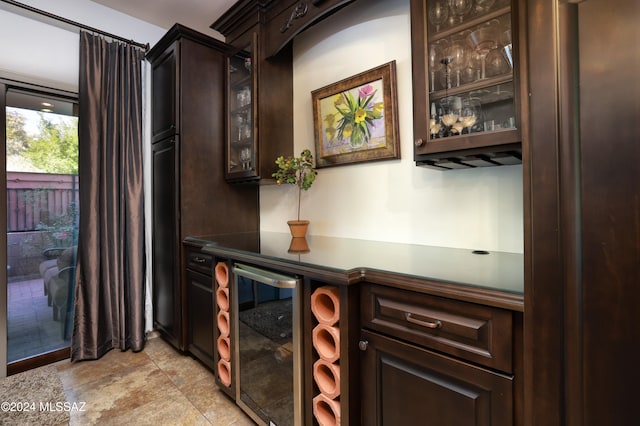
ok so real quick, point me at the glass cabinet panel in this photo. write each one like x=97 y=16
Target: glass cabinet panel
x=241 y=147
x=470 y=65
x=466 y=83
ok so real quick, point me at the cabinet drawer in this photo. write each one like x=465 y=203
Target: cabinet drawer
x=476 y=333
x=199 y=261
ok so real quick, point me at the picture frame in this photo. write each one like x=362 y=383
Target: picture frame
x=356 y=119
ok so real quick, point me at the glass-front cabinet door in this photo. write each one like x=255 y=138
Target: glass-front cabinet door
x=465 y=75
x=241 y=143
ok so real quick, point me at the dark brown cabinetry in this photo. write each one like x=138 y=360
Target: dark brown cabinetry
x=259 y=97
x=288 y=18
x=443 y=361
x=166 y=273
x=190 y=194
x=260 y=81
x=581 y=214
x=466 y=83
x=200 y=301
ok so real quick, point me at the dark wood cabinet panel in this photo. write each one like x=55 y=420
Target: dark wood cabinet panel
x=166 y=294
x=164 y=112
x=190 y=194
x=200 y=313
x=477 y=333
x=404 y=384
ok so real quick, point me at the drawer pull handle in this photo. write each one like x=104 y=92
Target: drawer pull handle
x=363 y=345
x=199 y=259
x=428 y=324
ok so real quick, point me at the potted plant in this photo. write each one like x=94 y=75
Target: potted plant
x=297 y=171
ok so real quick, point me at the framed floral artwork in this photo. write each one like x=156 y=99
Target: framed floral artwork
x=356 y=119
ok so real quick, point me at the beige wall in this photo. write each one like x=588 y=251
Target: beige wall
x=389 y=200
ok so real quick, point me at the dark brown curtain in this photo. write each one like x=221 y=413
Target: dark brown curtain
x=109 y=293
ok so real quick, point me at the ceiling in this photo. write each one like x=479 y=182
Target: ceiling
x=195 y=14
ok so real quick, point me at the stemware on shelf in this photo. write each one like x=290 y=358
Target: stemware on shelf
x=483 y=40
x=438 y=12
x=245 y=158
x=239 y=121
x=470 y=113
x=507 y=46
x=459 y=8
x=455 y=60
x=435 y=56
x=496 y=64
x=483 y=6
x=465 y=51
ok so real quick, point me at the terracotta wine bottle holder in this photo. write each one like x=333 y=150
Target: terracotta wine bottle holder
x=327 y=377
x=326 y=341
x=224 y=372
x=222 y=274
x=326 y=410
x=223 y=323
x=224 y=348
x=222 y=298
x=325 y=304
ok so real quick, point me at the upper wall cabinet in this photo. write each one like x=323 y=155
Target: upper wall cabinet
x=466 y=83
x=260 y=81
x=242 y=149
x=259 y=97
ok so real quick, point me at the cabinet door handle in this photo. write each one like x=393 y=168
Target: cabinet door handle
x=363 y=345
x=199 y=259
x=298 y=12
x=429 y=324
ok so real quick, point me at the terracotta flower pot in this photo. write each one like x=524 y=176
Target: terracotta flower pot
x=299 y=245
x=298 y=228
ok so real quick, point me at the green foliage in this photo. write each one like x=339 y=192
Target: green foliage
x=17 y=138
x=297 y=171
x=62 y=229
x=55 y=148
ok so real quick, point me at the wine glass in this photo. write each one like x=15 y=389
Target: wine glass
x=434 y=128
x=245 y=157
x=457 y=61
x=239 y=121
x=451 y=112
x=459 y=8
x=438 y=12
x=470 y=113
x=483 y=6
x=483 y=41
x=507 y=46
x=435 y=55
x=495 y=63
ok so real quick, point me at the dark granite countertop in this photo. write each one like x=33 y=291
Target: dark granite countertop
x=500 y=271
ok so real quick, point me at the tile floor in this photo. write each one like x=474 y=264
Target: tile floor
x=31 y=329
x=157 y=386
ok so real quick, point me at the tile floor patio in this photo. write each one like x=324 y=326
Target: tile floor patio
x=31 y=329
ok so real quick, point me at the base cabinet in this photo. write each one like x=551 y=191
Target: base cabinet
x=198 y=276
x=403 y=384
x=200 y=314
x=435 y=360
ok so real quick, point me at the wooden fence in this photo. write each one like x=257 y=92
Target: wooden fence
x=37 y=201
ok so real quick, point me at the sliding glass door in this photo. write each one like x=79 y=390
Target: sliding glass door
x=41 y=172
